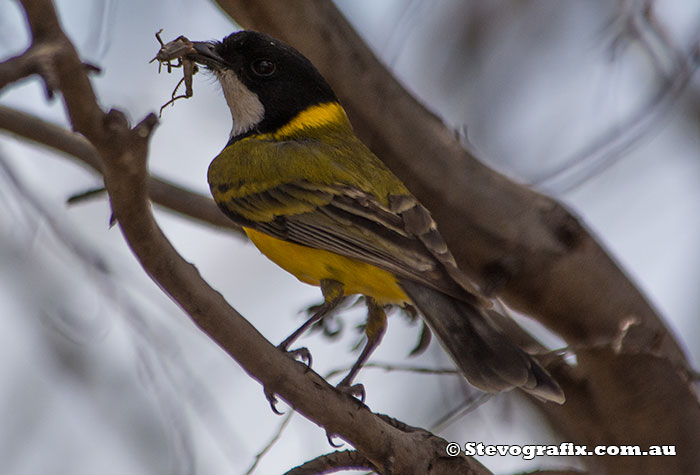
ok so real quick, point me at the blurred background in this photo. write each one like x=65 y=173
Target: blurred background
x=100 y=372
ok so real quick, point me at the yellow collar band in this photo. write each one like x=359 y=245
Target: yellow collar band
x=321 y=115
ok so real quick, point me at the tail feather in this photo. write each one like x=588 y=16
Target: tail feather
x=487 y=357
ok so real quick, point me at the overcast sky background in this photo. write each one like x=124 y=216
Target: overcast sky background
x=101 y=373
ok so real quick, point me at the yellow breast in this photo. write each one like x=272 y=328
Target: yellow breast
x=311 y=265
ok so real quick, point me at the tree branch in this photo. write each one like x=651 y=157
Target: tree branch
x=333 y=462
x=123 y=152
x=527 y=248
x=163 y=192
x=555 y=472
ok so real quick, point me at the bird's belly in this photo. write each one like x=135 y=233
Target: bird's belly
x=311 y=265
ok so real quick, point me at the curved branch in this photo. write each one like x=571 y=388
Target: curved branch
x=333 y=462
x=555 y=472
x=527 y=248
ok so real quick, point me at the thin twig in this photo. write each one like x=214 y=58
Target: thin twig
x=276 y=437
x=395 y=367
x=468 y=405
x=639 y=21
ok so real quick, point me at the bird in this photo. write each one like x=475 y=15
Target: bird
x=316 y=201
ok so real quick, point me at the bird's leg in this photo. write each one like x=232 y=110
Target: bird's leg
x=332 y=296
x=374 y=329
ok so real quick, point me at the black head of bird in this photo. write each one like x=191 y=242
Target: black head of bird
x=265 y=82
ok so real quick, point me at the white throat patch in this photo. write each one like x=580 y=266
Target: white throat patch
x=246 y=109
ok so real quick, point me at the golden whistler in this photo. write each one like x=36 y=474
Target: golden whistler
x=316 y=201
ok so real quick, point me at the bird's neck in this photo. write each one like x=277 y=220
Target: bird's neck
x=305 y=124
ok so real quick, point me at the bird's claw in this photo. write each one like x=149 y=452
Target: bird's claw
x=330 y=437
x=356 y=390
x=301 y=354
x=272 y=399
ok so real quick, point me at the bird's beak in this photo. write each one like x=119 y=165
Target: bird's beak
x=205 y=53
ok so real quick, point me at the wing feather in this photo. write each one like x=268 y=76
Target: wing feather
x=401 y=238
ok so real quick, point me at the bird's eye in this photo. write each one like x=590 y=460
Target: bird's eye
x=263 y=67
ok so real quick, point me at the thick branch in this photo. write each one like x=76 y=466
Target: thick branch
x=526 y=247
x=123 y=152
